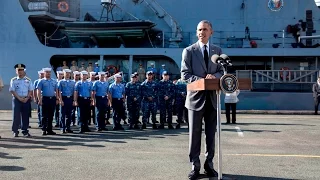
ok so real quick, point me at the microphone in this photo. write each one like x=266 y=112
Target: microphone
x=226 y=59
x=216 y=59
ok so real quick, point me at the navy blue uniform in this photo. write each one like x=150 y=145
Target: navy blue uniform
x=22 y=87
x=133 y=93
x=66 y=88
x=48 y=87
x=149 y=90
x=180 y=98
x=165 y=89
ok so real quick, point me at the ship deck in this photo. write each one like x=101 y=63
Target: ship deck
x=258 y=147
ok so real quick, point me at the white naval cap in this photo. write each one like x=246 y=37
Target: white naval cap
x=117 y=75
x=67 y=70
x=84 y=72
x=40 y=72
x=59 y=72
x=46 y=69
x=93 y=73
x=101 y=73
x=151 y=64
x=76 y=72
x=163 y=65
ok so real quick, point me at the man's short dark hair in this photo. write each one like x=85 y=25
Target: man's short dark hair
x=206 y=22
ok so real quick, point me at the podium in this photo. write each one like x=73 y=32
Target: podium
x=228 y=83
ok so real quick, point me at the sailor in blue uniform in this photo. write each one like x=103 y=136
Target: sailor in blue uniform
x=166 y=96
x=47 y=90
x=57 y=113
x=153 y=70
x=84 y=99
x=149 y=96
x=66 y=90
x=21 y=89
x=35 y=84
x=92 y=108
x=100 y=92
x=75 y=111
x=116 y=97
x=133 y=95
x=162 y=70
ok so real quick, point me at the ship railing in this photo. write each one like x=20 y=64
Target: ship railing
x=238 y=39
x=280 y=76
x=66 y=8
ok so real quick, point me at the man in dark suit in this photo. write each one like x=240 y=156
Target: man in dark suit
x=195 y=65
x=316 y=95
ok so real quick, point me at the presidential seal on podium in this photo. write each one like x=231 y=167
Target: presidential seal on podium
x=229 y=83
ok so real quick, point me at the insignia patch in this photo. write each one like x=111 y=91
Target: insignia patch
x=275 y=5
x=229 y=83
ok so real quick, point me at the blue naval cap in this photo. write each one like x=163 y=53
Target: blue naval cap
x=164 y=73
x=20 y=66
x=149 y=72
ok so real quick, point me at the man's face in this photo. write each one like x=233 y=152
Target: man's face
x=165 y=77
x=149 y=76
x=84 y=77
x=41 y=75
x=118 y=79
x=102 y=77
x=204 y=32
x=77 y=77
x=20 y=72
x=60 y=76
x=47 y=74
x=67 y=75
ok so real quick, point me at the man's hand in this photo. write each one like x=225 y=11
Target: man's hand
x=166 y=97
x=210 y=76
x=150 y=98
x=134 y=99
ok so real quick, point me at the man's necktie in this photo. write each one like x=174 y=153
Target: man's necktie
x=205 y=55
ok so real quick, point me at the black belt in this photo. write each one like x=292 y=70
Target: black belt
x=84 y=97
x=117 y=99
x=49 y=97
x=67 y=96
x=101 y=96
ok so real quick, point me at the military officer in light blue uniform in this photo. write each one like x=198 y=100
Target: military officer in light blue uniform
x=21 y=89
x=35 y=97
x=57 y=113
x=47 y=91
x=116 y=97
x=66 y=90
x=100 y=91
x=84 y=99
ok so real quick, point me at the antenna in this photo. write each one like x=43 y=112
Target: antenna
x=107 y=5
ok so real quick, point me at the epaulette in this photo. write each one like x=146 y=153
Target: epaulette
x=28 y=78
x=14 y=78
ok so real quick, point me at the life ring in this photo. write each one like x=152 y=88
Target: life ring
x=112 y=67
x=287 y=70
x=63 y=6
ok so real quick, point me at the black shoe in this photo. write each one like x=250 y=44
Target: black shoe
x=69 y=131
x=178 y=126
x=44 y=133
x=228 y=122
x=99 y=130
x=144 y=126
x=208 y=171
x=136 y=126
x=193 y=175
x=170 y=126
x=161 y=126
x=29 y=126
x=57 y=125
x=40 y=126
x=26 y=135
x=15 y=134
x=87 y=130
x=233 y=122
x=157 y=121
x=63 y=131
x=139 y=122
x=131 y=127
x=51 y=133
x=125 y=122
x=154 y=126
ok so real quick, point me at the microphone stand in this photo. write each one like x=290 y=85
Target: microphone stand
x=224 y=65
